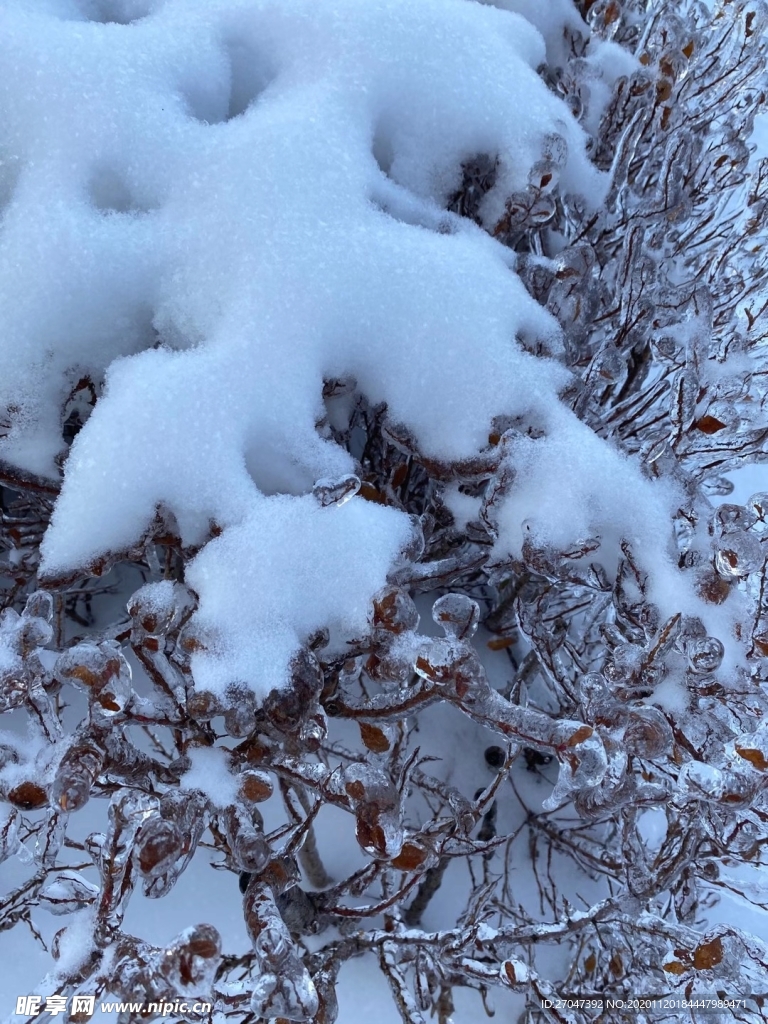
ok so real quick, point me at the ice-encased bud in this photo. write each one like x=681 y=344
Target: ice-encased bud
x=281 y=874
x=159 y=845
x=391 y=664
x=103 y=672
x=457 y=614
x=753 y=747
x=705 y=782
x=109 y=703
x=336 y=492
x=720 y=415
x=394 y=611
x=240 y=715
x=35 y=632
x=450 y=662
x=204 y=705
x=283 y=987
x=376 y=803
x=515 y=972
x=191 y=961
x=705 y=654
x=39 y=605
x=738 y=554
x=66 y=893
x=544 y=175
x=76 y=774
x=255 y=785
x=247 y=843
x=380 y=834
x=156 y=607
x=313 y=731
x=87 y=666
x=420 y=528
x=730 y=518
x=289 y=707
x=624 y=663
x=609 y=364
x=647 y=733
x=691 y=628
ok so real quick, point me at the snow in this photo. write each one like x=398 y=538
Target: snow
x=75 y=942
x=329 y=561
x=463 y=507
x=570 y=484
x=550 y=19
x=243 y=199
x=210 y=774
x=165 y=211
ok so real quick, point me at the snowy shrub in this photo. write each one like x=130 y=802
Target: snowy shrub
x=318 y=316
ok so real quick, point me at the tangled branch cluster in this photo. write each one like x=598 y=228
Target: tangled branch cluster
x=660 y=298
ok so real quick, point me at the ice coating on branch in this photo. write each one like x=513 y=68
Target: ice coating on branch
x=284 y=987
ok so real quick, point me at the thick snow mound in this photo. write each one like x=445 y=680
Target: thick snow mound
x=212 y=206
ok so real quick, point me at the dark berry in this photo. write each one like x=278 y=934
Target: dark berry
x=495 y=757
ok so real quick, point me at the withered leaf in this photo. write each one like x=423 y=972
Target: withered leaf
x=708 y=954
x=709 y=424
x=755 y=757
x=410 y=857
x=500 y=643
x=356 y=790
x=28 y=796
x=581 y=734
x=675 y=967
x=374 y=738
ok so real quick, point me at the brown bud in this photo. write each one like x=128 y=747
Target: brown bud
x=28 y=796
x=255 y=786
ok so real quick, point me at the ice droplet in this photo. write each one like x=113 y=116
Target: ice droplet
x=336 y=492
x=737 y=555
x=705 y=654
